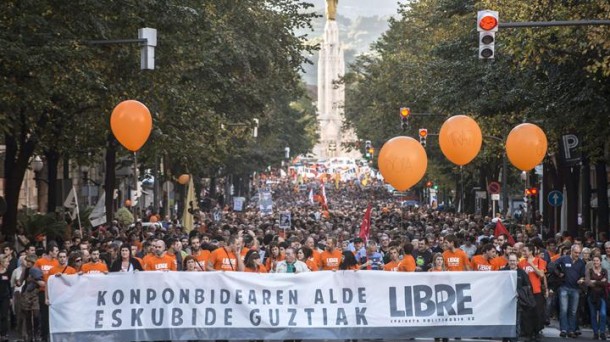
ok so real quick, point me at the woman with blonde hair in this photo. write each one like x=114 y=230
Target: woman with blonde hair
x=438 y=263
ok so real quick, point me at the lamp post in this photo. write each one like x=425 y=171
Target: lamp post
x=37 y=165
x=85 y=170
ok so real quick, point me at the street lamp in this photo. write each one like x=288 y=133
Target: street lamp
x=85 y=170
x=37 y=164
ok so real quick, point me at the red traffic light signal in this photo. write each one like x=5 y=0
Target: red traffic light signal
x=405 y=112
x=531 y=192
x=487 y=25
x=423 y=132
x=488 y=20
x=429 y=184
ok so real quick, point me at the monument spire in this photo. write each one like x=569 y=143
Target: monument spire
x=331 y=9
x=331 y=96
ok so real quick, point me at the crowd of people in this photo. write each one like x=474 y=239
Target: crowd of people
x=567 y=276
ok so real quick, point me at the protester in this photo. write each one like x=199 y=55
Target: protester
x=572 y=270
x=522 y=281
x=596 y=279
x=290 y=264
x=125 y=262
x=5 y=295
x=253 y=263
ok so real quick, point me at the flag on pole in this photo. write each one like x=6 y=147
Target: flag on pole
x=365 y=226
x=310 y=196
x=190 y=207
x=500 y=229
x=71 y=203
x=324 y=199
x=98 y=214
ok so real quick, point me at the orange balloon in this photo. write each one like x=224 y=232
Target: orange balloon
x=131 y=124
x=183 y=179
x=460 y=139
x=402 y=162
x=526 y=146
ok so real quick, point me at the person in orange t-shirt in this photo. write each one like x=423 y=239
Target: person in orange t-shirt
x=311 y=244
x=61 y=268
x=392 y=266
x=535 y=267
x=160 y=261
x=455 y=258
x=330 y=259
x=201 y=255
x=225 y=258
x=438 y=263
x=482 y=262
x=305 y=254
x=408 y=262
x=46 y=263
x=96 y=265
x=275 y=256
x=253 y=263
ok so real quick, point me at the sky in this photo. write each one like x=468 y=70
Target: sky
x=361 y=22
x=358 y=8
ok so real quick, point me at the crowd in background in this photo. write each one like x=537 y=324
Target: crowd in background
x=567 y=276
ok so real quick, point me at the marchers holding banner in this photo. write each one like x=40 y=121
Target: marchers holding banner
x=316 y=305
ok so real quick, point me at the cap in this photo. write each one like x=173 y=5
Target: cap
x=358 y=240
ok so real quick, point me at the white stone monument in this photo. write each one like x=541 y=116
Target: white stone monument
x=331 y=96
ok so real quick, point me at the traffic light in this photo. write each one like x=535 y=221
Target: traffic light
x=429 y=184
x=531 y=192
x=367 y=149
x=371 y=152
x=405 y=112
x=487 y=25
x=423 y=134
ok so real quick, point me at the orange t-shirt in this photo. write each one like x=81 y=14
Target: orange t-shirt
x=455 y=261
x=162 y=263
x=534 y=279
x=243 y=253
x=45 y=265
x=223 y=260
x=315 y=254
x=94 y=267
x=499 y=262
x=312 y=264
x=202 y=258
x=391 y=266
x=261 y=269
x=330 y=260
x=62 y=269
x=479 y=263
x=407 y=264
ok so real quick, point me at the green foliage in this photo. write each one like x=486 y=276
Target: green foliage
x=556 y=78
x=124 y=216
x=45 y=224
x=217 y=62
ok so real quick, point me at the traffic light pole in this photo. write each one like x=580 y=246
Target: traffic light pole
x=554 y=23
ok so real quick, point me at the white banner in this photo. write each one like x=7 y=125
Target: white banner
x=314 y=305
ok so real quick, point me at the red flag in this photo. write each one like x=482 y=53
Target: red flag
x=324 y=199
x=500 y=229
x=365 y=226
